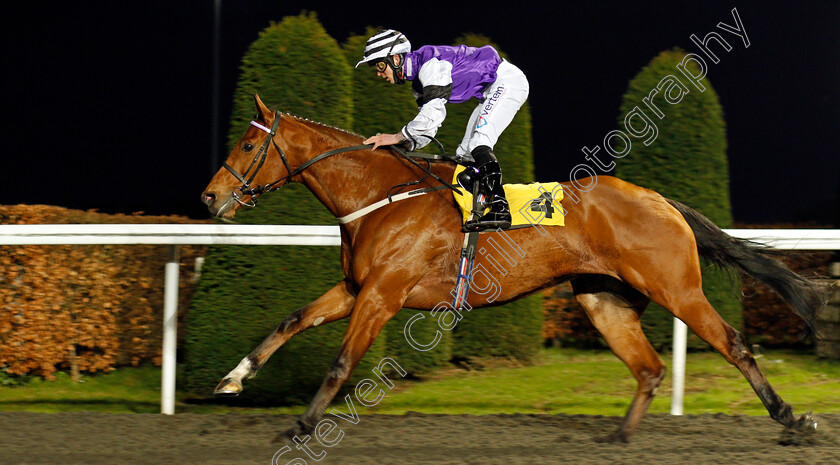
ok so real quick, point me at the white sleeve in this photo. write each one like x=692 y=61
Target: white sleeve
x=436 y=78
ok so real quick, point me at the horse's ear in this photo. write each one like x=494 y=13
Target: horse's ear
x=263 y=111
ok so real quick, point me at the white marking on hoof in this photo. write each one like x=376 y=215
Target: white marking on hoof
x=242 y=371
x=318 y=321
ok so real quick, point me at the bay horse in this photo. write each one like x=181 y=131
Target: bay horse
x=622 y=247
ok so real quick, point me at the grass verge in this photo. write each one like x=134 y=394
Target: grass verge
x=562 y=380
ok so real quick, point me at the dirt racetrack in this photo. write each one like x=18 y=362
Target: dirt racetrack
x=97 y=438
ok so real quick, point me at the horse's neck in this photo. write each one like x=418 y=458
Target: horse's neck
x=348 y=182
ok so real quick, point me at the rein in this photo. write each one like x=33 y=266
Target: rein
x=259 y=159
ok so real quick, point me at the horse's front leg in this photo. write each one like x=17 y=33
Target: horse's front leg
x=335 y=304
x=375 y=305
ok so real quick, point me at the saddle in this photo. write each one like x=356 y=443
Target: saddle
x=530 y=204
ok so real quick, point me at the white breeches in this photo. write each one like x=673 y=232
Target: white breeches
x=502 y=99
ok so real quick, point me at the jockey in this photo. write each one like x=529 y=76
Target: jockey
x=441 y=74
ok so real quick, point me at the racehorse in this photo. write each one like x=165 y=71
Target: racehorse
x=622 y=247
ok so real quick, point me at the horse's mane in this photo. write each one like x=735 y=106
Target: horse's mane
x=310 y=122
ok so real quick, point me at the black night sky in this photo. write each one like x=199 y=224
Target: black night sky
x=109 y=104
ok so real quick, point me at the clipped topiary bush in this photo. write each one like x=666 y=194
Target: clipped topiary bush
x=686 y=162
x=245 y=291
x=296 y=65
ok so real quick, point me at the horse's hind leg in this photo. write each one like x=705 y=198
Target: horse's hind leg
x=690 y=305
x=615 y=313
x=698 y=314
x=335 y=304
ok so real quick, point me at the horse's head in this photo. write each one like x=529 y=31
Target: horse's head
x=246 y=174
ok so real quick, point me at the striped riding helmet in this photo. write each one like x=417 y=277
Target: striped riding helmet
x=383 y=45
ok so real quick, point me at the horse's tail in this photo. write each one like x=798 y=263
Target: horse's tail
x=803 y=295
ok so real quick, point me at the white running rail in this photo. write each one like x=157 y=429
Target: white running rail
x=176 y=235
x=173 y=235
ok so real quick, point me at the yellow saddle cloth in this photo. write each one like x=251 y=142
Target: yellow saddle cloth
x=530 y=204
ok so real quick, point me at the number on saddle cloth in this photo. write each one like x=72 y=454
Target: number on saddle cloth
x=546 y=201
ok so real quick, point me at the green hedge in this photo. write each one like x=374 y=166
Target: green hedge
x=511 y=330
x=244 y=291
x=425 y=332
x=296 y=65
x=686 y=162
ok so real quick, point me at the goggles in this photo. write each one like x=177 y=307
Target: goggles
x=380 y=66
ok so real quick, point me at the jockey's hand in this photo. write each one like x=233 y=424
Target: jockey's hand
x=384 y=139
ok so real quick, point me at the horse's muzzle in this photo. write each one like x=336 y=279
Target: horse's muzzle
x=218 y=208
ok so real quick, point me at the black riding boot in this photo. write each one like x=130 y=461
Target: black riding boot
x=490 y=184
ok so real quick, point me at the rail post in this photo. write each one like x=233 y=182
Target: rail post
x=678 y=366
x=170 y=331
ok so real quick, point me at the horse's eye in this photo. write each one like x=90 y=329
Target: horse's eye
x=247 y=147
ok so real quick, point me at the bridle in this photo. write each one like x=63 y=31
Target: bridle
x=259 y=159
x=256 y=164
x=246 y=189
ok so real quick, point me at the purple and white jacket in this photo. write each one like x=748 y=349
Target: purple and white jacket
x=441 y=74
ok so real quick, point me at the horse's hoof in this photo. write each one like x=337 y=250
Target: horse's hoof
x=801 y=432
x=228 y=387
x=806 y=423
